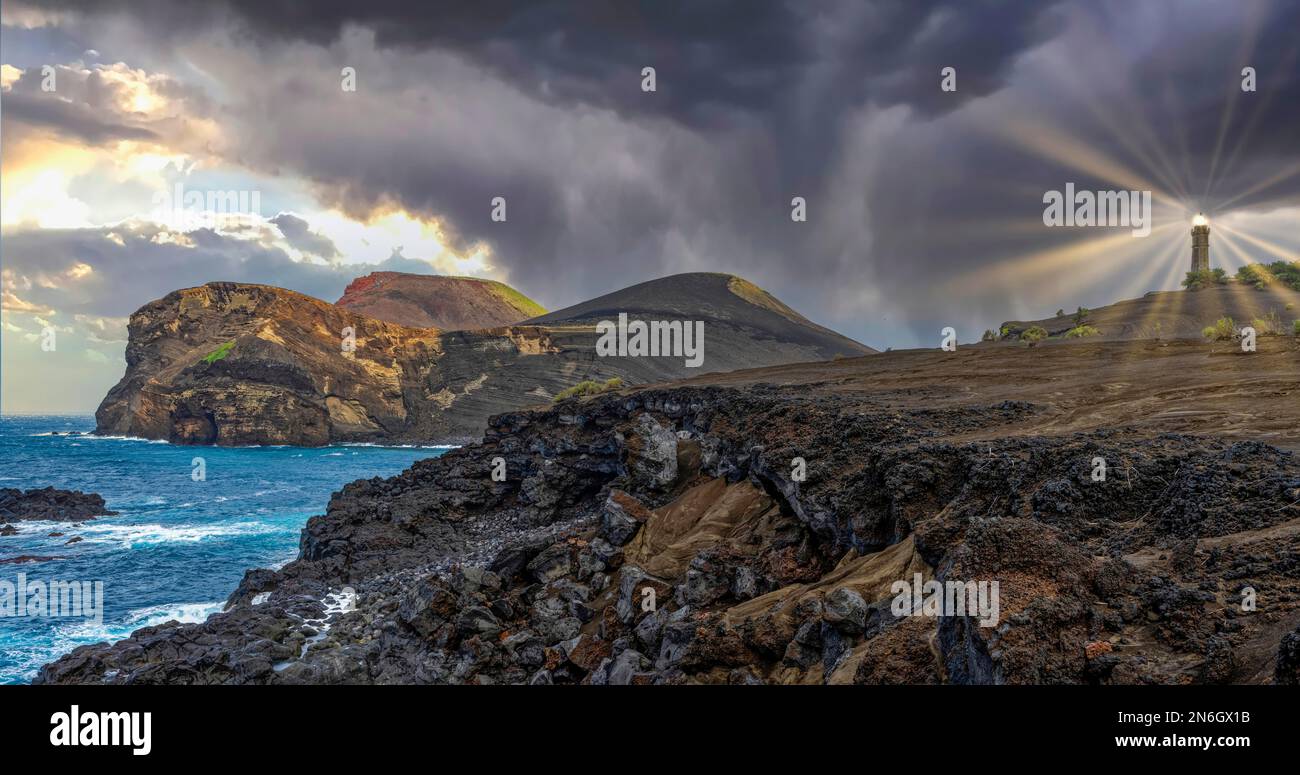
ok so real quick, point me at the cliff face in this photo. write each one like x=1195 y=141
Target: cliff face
x=664 y=537
x=229 y=363
x=238 y=364
x=434 y=301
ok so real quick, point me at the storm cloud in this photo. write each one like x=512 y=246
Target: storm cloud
x=910 y=189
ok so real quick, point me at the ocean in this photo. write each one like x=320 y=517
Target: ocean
x=178 y=547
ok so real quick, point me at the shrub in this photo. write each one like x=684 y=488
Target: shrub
x=1295 y=327
x=1263 y=275
x=1080 y=316
x=589 y=388
x=1079 y=332
x=1254 y=274
x=1269 y=325
x=989 y=336
x=1224 y=329
x=1194 y=281
x=1286 y=272
x=218 y=353
x=1033 y=334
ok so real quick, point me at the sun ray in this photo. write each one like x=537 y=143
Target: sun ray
x=1056 y=145
x=1281 y=175
x=1247 y=132
x=1278 y=250
x=1132 y=128
x=1084 y=260
x=1235 y=250
x=1250 y=36
x=1163 y=258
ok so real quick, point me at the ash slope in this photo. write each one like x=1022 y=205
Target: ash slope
x=744 y=313
x=687 y=491
x=235 y=364
x=436 y=301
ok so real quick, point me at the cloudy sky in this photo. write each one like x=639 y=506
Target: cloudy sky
x=924 y=206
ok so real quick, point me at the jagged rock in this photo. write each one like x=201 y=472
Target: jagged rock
x=588 y=652
x=708 y=579
x=648 y=630
x=846 y=609
x=554 y=562
x=622 y=670
x=426 y=606
x=526 y=648
x=51 y=505
x=461 y=580
x=622 y=516
x=1287 y=670
x=637 y=589
x=652 y=454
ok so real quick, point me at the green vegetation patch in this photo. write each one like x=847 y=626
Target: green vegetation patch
x=525 y=305
x=1033 y=334
x=1195 y=281
x=589 y=388
x=1261 y=276
x=219 y=353
x=1269 y=325
x=1224 y=329
x=1081 y=331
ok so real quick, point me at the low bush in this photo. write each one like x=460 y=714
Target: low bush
x=589 y=388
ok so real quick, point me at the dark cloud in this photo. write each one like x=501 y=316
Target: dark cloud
x=299 y=235
x=69 y=119
x=910 y=189
x=709 y=55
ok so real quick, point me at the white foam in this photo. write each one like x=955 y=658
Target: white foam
x=186 y=613
x=97 y=437
x=131 y=535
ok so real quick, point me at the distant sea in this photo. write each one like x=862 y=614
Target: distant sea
x=178 y=547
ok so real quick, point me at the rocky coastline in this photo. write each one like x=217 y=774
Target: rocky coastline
x=663 y=536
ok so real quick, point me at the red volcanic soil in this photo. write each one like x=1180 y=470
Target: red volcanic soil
x=434 y=301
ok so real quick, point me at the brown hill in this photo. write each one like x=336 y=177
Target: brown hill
x=234 y=364
x=435 y=301
x=1177 y=314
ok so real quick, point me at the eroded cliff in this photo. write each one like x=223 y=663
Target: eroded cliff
x=664 y=536
x=237 y=364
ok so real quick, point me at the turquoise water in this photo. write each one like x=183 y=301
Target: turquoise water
x=178 y=547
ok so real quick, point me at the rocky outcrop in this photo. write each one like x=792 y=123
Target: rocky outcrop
x=665 y=537
x=228 y=363
x=236 y=364
x=437 y=301
x=51 y=505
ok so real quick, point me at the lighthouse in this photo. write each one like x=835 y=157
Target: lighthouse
x=1200 y=244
